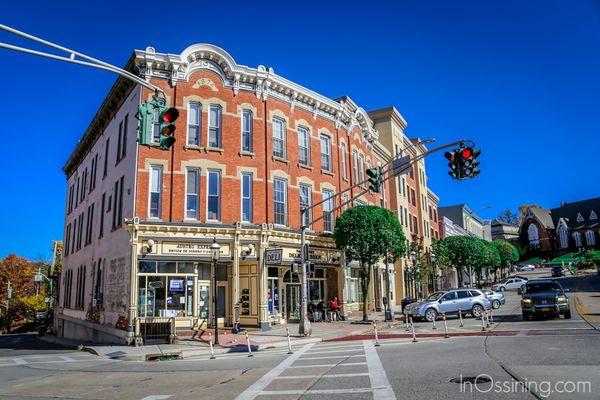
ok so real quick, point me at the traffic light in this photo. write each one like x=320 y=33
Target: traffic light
x=454 y=164
x=167 y=118
x=374 y=175
x=145 y=116
x=469 y=162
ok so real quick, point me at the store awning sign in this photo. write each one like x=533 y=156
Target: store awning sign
x=273 y=256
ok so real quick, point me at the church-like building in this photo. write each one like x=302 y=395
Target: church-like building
x=570 y=227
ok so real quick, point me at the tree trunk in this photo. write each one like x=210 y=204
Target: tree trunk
x=459 y=274
x=366 y=280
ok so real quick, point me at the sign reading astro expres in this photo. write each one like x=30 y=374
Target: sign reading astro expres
x=196 y=249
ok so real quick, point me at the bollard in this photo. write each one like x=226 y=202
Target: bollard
x=487 y=318
x=376 y=335
x=492 y=316
x=460 y=317
x=483 y=322
x=248 y=343
x=287 y=332
x=433 y=322
x=212 y=351
x=406 y=320
x=445 y=326
x=414 y=335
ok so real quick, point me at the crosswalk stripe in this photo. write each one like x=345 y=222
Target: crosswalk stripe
x=377 y=374
x=330 y=357
x=335 y=351
x=318 y=391
x=327 y=365
x=322 y=376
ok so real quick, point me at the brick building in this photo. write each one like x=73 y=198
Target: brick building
x=251 y=147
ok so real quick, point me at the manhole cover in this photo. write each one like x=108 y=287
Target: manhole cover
x=471 y=379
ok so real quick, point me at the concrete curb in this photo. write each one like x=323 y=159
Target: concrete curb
x=186 y=353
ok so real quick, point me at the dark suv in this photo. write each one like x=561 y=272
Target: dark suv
x=558 y=271
x=544 y=297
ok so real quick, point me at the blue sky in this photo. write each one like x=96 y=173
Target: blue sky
x=520 y=78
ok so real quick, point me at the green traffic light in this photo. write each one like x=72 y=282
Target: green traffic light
x=374 y=175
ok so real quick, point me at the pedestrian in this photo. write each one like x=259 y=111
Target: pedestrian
x=334 y=306
x=322 y=310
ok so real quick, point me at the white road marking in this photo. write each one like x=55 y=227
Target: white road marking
x=377 y=374
x=19 y=361
x=257 y=387
x=330 y=357
x=334 y=351
x=322 y=376
x=327 y=365
x=158 y=397
x=319 y=391
x=65 y=358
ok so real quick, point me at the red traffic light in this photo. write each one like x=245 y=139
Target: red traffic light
x=466 y=152
x=170 y=115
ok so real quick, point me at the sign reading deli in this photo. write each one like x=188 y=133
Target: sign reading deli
x=202 y=249
x=314 y=255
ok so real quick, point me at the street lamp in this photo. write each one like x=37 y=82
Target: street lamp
x=215 y=253
x=388 y=311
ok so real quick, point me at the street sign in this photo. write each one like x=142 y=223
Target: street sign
x=273 y=256
x=401 y=166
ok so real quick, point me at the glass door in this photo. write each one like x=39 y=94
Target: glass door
x=293 y=302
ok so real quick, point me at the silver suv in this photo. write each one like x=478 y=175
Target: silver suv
x=468 y=301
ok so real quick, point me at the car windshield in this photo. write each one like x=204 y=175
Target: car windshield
x=536 y=287
x=434 y=296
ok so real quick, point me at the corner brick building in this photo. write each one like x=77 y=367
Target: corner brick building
x=250 y=147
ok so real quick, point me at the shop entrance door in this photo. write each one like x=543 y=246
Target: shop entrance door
x=293 y=308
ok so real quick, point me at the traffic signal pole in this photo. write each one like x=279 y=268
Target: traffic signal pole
x=91 y=62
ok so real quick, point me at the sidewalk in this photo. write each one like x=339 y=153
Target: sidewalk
x=587 y=298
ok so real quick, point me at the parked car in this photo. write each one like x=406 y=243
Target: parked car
x=497 y=299
x=544 y=297
x=513 y=283
x=468 y=301
x=558 y=271
x=527 y=267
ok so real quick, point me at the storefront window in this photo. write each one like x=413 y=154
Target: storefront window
x=185 y=267
x=353 y=291
x=147 y=266
x=167 y=267
x=317 y=286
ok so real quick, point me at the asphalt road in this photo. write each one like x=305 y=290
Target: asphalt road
x=544 y=358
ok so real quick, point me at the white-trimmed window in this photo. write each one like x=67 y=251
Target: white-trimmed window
x=327 y=211
x=155 y=200
x=192 y=192
x=280 y=201
x=577 y=238
x=533 y=235
x=213 y=204
x=246 y=197
x=355 y=166
x=279 y=137
x=247 y=130
x=303 y=146
x=214 y=127
x=563 y=236
x=194 y=119
x=305 y=202
x=343 y=155
x=325 y=152
x=590 y=238
x=362 y=168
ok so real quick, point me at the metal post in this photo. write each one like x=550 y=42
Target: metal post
x=483 y=322
x=289 y=342
x=492 y=315
x=414 y=335
x=304 y=328
x=433 y=322
x=376 y=335
x=487 y=318
x=388 y=310
x=248 y=343
x=406 y=321
x=215 y=319
x=460 y=317
x=212 y=351
x=445 y=326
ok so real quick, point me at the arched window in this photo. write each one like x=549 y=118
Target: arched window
x=564 y=238
x=577 y=237
x=590 y=238
x=533 y=234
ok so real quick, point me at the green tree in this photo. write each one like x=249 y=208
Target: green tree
x=365 y=234
x=508 y=253
x=493 y=260
x=465 y=252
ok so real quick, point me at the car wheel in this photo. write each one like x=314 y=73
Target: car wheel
x=496 y=304
x=477 y=311
x=502 y=288
x=431 y=314
x=568 y=315
x=525 y=317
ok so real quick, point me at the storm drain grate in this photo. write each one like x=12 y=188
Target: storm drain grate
x=475 y=380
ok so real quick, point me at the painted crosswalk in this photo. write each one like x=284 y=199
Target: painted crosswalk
x=333 y=369
x=32 y=360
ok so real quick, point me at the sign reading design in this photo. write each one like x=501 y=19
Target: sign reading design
x=202 y=249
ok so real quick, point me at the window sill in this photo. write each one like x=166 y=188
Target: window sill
x=283 y=160
x=308 y=167
x=214 y=149
x=243 y=153
x=324 y=171
x=192 y=147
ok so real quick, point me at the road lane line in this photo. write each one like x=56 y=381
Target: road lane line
x=377 y=374
x=257 y=387
x=19 y=361
x=67 y=359
x=158 y=397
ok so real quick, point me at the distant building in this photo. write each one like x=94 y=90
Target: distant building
x=462 y=216
x=570 y=227
x=504 y=231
